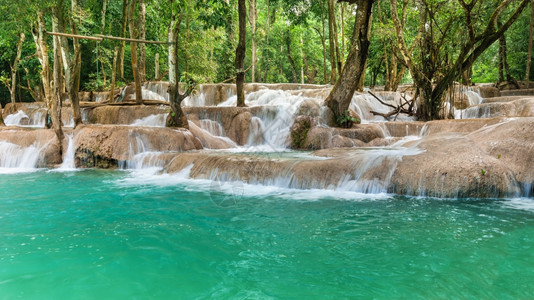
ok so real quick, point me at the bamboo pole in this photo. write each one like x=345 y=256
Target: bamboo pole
x=76 y=36
x=100 y=37
x=109 y=37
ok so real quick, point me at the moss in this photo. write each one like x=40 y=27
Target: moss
x=299 y=132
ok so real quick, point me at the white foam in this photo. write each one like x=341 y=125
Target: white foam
x=156 y=120
x=68 y=159
x=16 y=159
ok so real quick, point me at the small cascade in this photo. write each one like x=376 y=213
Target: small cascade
x=140 y=154
x=18 y=158
x=198 y=99
x=68 y=159
x=363 y=104
x=362 y=170
x=157 y=120
x=271 y=127
x=159 y=88
x=257 y=132
x=37 y=118
x=474 y=97
x=150 y=95
x=213 y=127
x=18 y=119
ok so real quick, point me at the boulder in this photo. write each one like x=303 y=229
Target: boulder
x=240 y=128
x=105 y=146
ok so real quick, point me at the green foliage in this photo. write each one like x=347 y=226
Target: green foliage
x=208 y=33
x=346 y=120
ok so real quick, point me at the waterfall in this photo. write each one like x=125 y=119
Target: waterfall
x=198 y=99
x=140 y=155
x=213 y=127
x=16 y=158
x=68 y=159
x=20 y=118
x=362 y=170
x=157 y=120
x=270 y=129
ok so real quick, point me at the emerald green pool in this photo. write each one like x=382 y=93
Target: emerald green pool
x=120 y=235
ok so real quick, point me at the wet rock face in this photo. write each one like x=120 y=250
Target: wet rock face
x=41 y=138
x=489 y=91
x=123 y=114
x=106 y=146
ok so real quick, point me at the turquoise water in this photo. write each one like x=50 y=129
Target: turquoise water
x=119 y=235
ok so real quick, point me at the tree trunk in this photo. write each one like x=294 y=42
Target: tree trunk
x=14 y=68
x=133 y=48
x=331 y=39
x=252 y=17
x=71 y=65
x=342 y=33
x=187 y=34
x=142 y=47
x=432 y=95
x=530 y=37
x=114 y=73
x=501 y=61
x=240 y=52
x=177 y=117
x=341 y=95
x=123 y=34
x=303 y=59
x=323 y=37
x=53 y=91
x=102 y=27
x=156 y=66
x=289 y=57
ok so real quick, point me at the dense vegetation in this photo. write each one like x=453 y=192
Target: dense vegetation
x=286 y=41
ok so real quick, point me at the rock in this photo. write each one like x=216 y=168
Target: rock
x=123 y=115
x=209 y=141
x=309 y=108
x=320 y=137
x=43 y=139
x=299 y=130
x=240 y=128
x=523 y=107
x=488 y=91
x=106 y=146
x=355 y=116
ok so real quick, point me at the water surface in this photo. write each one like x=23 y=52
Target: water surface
x=120 y=235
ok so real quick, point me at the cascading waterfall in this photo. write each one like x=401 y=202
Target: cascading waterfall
x=157 y=120
x=17 y=158
x=68 y=159
x=140 y=154
x=213 y=127
x=21 y=119
x=17 y=119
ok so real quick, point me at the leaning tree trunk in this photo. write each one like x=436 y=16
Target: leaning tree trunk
x=71 y=65
x=57 y=86
x=331 y=39
x=177 y=117
x=529 y=53
x=120 y=66
x=14 y=68
x=240 y=53
x=133 y=48
x=323 y=35
x=252 y=18
x=289 y=57
x=141 y=64
x=341 y=95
